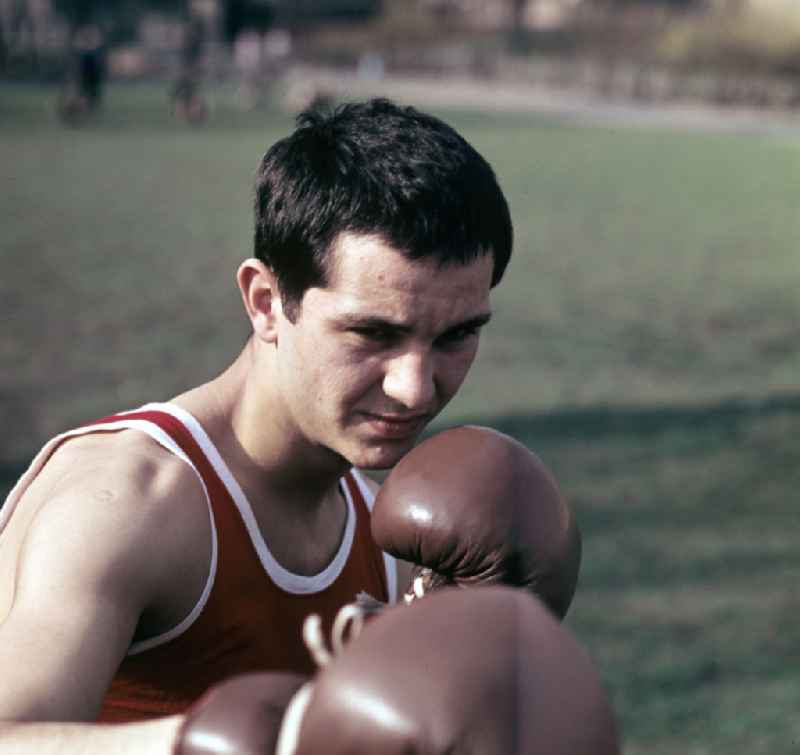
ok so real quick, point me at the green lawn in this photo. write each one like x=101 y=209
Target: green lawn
x=645 y=344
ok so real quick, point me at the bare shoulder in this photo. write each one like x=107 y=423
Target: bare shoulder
x=120 y=500
x=98 y=551
x=129 y=458
x=124 y=472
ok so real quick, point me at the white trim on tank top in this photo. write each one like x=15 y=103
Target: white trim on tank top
x=296 y=584
x=164 y=440
x=389 y=562
x=293 y=583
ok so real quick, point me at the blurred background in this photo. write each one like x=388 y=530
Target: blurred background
x=742 y=52
x=645 y=340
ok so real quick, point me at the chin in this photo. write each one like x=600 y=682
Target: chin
x=383 y=456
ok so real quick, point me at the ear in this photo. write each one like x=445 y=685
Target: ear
x=259 y=288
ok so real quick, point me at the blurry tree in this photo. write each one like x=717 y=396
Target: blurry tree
x=518 y=8
x=119 y=18
x=246 y=15
x=298 y=13
x=19 y=39
x=245 y=26
x=678 y=4
x=262 y=34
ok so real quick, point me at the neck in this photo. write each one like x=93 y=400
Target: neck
x=267 y=453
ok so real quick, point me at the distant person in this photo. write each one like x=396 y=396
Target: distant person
x=86 y=75
x=247 y=54
x=148 y=556
x=188 y=102
x=260 y=58
x=91 y=63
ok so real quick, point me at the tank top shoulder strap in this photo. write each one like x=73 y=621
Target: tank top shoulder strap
x=363 y=497
x=156 y=424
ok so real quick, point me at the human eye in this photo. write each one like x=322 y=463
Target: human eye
x=374 y=334
x=458 y=336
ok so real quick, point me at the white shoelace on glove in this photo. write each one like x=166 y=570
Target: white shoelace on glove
x=346 y=627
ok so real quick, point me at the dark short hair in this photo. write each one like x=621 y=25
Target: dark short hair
x=375 y=168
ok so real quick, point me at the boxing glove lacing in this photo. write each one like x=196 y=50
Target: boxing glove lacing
x=417 y=589
x=347 y=626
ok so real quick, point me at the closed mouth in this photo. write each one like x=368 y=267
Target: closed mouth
x=405 y=419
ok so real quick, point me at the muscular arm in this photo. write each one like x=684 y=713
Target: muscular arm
x=91 y=561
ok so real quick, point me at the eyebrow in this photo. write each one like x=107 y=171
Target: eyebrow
x=473 y=322
x=351 y=320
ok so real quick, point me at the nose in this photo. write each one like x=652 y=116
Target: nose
x=409 y=380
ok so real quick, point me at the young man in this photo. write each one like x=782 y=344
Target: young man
x=147 y=557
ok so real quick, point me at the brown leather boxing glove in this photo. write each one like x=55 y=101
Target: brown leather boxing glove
x=471 y=505
x=488 y=671
x=241 y=716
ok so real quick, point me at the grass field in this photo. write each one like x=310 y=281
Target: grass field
x=645 y=344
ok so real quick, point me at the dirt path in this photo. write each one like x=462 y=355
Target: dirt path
x=574 y=106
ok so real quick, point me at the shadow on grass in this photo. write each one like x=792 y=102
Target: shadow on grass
x=676 y=496
x=587 y=424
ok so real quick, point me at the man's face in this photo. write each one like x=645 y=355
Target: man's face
x=376 y=354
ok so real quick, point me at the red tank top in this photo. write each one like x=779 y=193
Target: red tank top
x=251 y=614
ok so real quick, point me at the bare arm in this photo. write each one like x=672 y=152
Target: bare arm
x=151 y=738
x=89 y=565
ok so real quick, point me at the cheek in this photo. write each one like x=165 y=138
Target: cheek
x=309 y=374
x=454 y=368
x=353 y=376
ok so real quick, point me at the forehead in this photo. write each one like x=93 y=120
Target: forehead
x=366 y=270
x=371 y=279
